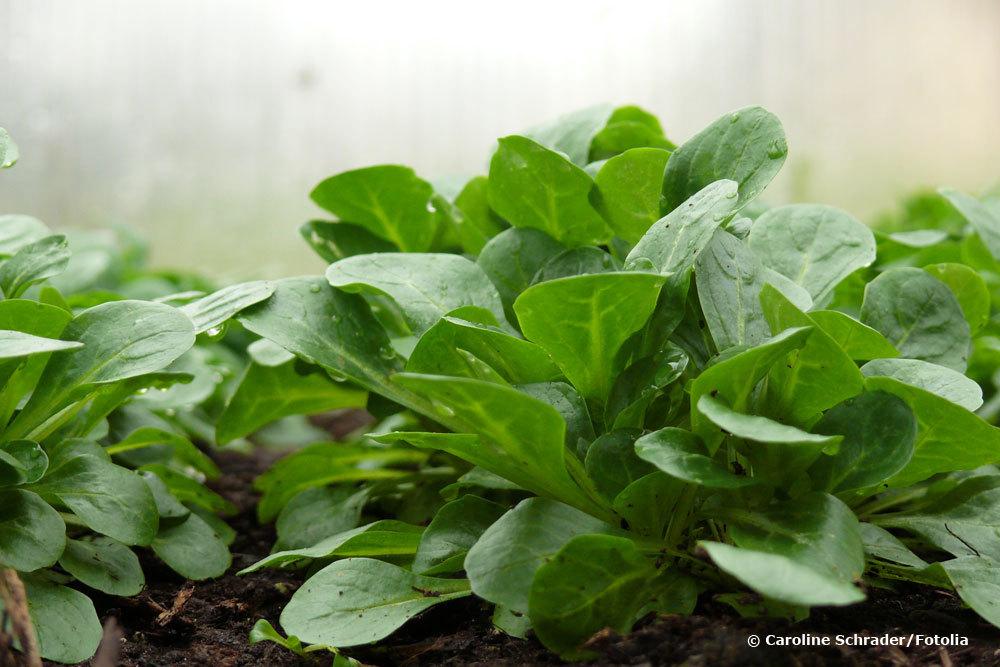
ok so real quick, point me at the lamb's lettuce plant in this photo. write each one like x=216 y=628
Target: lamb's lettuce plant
x=94 y=461
x=658 y=388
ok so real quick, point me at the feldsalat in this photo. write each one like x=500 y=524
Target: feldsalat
x=643 y=385
x=93 y=466
x=608 y=382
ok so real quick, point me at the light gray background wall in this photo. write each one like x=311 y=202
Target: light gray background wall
x=206 y=123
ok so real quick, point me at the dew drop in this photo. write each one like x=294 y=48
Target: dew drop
x=213 y=332
x=314 y=288
x=443 y=410
x=734 y=117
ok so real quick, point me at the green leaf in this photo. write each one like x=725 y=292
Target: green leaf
x=859 y=341
x=577 y=261
x=975 y=580
x=815 y=530
x=815 y=246
x=327 y=327
x=939 y=380
x=919 y=315
x=121 y=339
x=966 y=522
x=573 y=133
x=337 y=240
x=629 y=127
x=983 y=220
x=32 y=534
x=35 y=319
x=15 y=345
x=381 y=538
x=813 y=378
x=17 y=231
x=211 y=311
x=672 y=245
x=390 y=201
x=21 y=462
x=318 y=513
x=452 y=532
x=968 y=287
x=425 y=286
x=514 y=623
x=612 y=464
x=532 y=186
x=479 y=223
x=189 y=490
x=513 y=257
x=949 y=437
x=516 y=360
x=777 y=452
x=359 y=601
x=8 y=150
x=327 y=463
x=593 y=582
x=759 y=429
x=781 y=578
x=173 y=445
x=192 y=549
x=263 y=631
x=682 y=455
x=33 y=263
x=640 y=383
x=268 y=393
x=647 y=504
x=167 y=505
x=747 y=146
x=675 y=593
x=109 y=499
x=878 y=431
x=628 y=187
x=880 y=543
x=65 y=620
x=729 y=279
x=502 y=564
x=734 y=375
x=103 y=564
x=519 y=438
x=582 y=322
x=571 y=406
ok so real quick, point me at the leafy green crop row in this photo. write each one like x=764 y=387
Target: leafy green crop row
x=102 y=389
x=663 y=389
x=607 y=380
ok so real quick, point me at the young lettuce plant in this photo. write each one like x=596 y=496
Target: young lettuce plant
x=665 y=371
x=72 y=508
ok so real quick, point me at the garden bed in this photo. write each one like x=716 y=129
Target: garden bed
x=206 y=623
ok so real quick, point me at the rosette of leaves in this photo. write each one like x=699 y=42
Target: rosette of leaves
x=89 y=470
x=660 y=385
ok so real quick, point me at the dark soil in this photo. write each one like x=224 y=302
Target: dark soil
x=176 y=622
x=461 y=634
x=179 y=622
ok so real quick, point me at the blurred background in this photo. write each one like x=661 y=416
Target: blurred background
x=205 y=124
